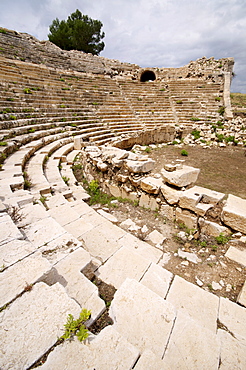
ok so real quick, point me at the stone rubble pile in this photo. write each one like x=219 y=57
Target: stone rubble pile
x=231 y=132
x=128 y=175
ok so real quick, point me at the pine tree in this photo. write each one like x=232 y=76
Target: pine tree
x=79 y=32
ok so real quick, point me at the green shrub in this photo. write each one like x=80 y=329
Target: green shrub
x=195 y=119
x=217 y=98
x=184 y=153
x=3 y=143
x=221 y=111
x=196 y=134
x=222 y=239
x=27 y=91
x=220 y=138
x=94 y=187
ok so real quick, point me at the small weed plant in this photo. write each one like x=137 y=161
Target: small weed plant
x=77 y=327
x=66 y=180
x=196 y=134
x=222 y=239
x=184 y=153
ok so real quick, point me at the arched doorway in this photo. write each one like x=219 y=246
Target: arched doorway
x=147 y=76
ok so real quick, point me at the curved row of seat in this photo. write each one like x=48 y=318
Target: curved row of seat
x=49 y=235
x=160 y=320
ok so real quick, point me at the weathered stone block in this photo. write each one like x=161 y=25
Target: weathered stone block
x=157 y=279
x=181 y=177
x=237 y=255
x=212 y=228
x=187 y=218
x=156 y=237
x=151 y=185
x=147 y=201
x=38 y=317
x=8 y=230
x=106 y=350
x=142 y=317
x=68 y=273
x=125 y=263
x=140 y=166
x=233 y=317
x=194 y=302
x=24 y=273
x=191 y=346
x=232 y=354
x=234 y=213
x=241 y=299
x=171 y=195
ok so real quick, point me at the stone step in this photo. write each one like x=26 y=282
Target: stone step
x=67 y=272
x=95 y=353
x=38 y=316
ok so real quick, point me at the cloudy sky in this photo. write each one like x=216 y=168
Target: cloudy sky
x=150 y=33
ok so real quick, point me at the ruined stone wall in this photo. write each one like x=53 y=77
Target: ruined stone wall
x=27 y=48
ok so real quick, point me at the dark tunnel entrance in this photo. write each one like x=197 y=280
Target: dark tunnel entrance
x=147 y=76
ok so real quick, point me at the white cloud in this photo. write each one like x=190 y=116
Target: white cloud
x=161 y=33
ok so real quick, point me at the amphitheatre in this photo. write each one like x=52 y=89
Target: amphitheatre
x=160 y=263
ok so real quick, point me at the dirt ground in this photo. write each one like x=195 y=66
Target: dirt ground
x=222 y=169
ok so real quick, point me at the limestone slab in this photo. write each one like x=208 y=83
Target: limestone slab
x=191 y=197
x=148 y=360
x=186 y=217
x=78 y=227
x=107 y=350
x=142 y=317
x=237 y=255
x=233 y=317
x=171 y=195
x=241 y=299
x=148 y=202
x=60 y=247
x=8 y=230
x=43 y=231
x=194 y=302
x=212 y=228
x=108 y=216
x=32 y=213
x=102 y=241
x=140 y=166
x=156 y=237
x=157 y=279
x=234 y=213
x=38 y=317
x=26 y=272
x=124 y=263
x=181 y=177
x=191 y=347
x=68 y=273
x=152 y=254
x=151 y=185
x=64 y=214
x=14 y=251
x=55 y=201
x=81 y=207
x=232 y=352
